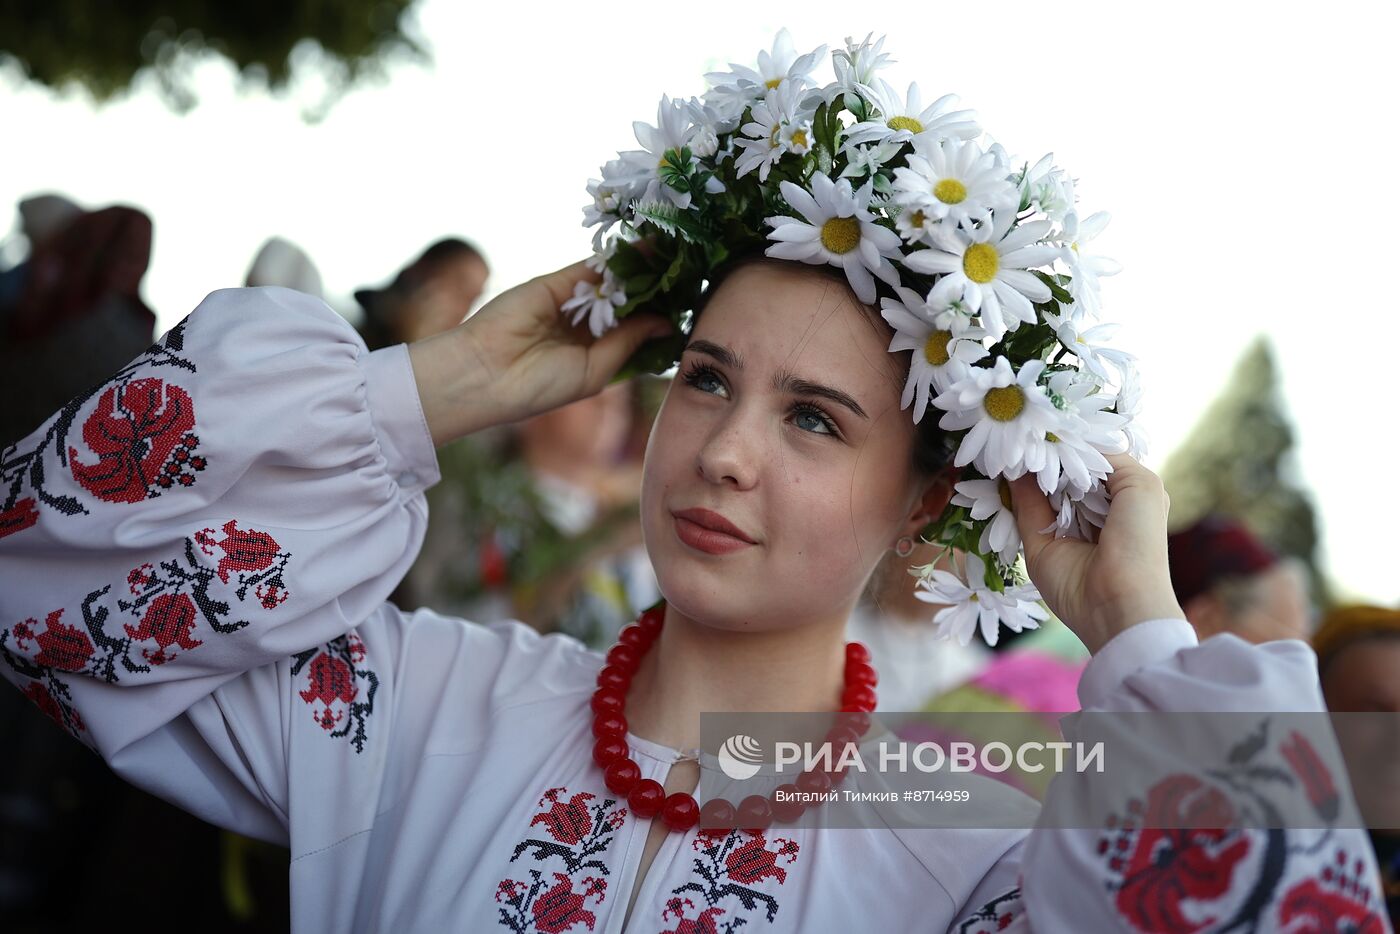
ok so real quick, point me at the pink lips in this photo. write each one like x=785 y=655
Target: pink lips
x=710 y=532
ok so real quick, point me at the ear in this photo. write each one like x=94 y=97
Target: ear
x=931 y=502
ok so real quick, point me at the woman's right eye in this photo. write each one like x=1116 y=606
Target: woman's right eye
x=704 y=378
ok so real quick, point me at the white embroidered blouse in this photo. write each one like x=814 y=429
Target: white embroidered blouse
x=194 y=564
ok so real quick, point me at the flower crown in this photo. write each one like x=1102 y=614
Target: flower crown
x=989 y=282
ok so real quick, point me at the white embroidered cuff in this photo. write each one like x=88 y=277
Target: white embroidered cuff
x=1132 y=650
x=398 y=419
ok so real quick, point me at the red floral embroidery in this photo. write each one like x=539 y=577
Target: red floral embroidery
x=18 y=517
x=331 y=680
x=731 y=866
x=42 y=699
x=135 y=432
x=567 y=821
x=1182 y=855
x=169 y=620
x=169 y=601
x=1313 y=773
x=560 y=908
x=250 y=551
x=580 y=832
x=1337 y=902
x=61 y=646
x=703 y=923
x=333 y=673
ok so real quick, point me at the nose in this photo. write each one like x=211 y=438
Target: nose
x=728 y=456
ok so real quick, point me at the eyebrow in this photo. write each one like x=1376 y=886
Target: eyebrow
x=783 y=381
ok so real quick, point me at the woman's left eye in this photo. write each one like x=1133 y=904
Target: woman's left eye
x=810 y=418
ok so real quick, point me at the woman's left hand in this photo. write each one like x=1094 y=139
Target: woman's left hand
x=1101 y=588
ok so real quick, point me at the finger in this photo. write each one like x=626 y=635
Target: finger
x=1031 y=508
x=608 y=353
x=560 y=283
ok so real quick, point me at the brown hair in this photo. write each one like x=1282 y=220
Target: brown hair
x=932 y=448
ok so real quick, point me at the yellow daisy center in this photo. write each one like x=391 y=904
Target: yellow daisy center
x=772 y=83
x=1052 y=437
x=936 y=347
x=1004 y=491
x=950 y=191
x=980 y=262
x=799 y=138
x=841 y=234
x=973 y=598
x=1004 y=404
x=905 y=123
x=918 y=219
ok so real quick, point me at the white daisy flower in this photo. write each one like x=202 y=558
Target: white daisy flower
x=674 y=130
x=944 y=346
x=840 y=230
x=1084 y=269
x=856 y=65
x=991 y=500
x=985 y=268
x=597 y=302
x=867 y=160
x=1086 y=344
x=732 y=91
x=900 y=120
x=1129 y=405
x=1047 y=188
x=953 y=180
x=777 y=126
x=611 y=195
x=1007 y=413
x=972 y=605
x=1079 y=514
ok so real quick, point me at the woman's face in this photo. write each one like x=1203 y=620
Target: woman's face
x=784 y=419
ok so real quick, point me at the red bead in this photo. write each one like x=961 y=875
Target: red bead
x=608 y=750
x=622 y=776
x=855 y=652
x=837 y=776
x=610 y=725
x=651 y=620
x=785 y=809
x=718 y=814
x=680 y=812
x=646 y=798
x=840 y=737
x=861 y=673
x=814 y=782
x=614 y=677
x=755 y=813
x=608 y=701
x=856 y=720
x=625 y=657
x=636 y=637
x=859 y=697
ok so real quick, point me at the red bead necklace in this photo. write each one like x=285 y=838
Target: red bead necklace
x=647 y=798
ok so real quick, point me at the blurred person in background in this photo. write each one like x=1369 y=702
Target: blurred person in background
x=539 y=522
x=1228 y=581
x=1358 y=661
x=71 y=314
x=431 y=294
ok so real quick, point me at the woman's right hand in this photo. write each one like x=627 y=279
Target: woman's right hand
x=519 y=356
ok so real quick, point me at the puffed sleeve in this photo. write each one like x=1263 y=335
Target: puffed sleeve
x=1203 y=878
x=186 y=545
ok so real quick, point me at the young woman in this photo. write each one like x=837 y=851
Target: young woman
x=195 y=556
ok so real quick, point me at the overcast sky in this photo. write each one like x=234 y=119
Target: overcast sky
x=1238 y=146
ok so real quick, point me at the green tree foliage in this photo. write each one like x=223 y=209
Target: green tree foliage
x=103 y=46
